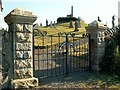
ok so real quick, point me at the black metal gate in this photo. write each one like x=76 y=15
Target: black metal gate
x=60 y=54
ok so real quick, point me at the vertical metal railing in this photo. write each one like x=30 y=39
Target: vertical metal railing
x=33 y=47
x=39 y=60
x=47 y=61
x=59 y=54
x=67 y=60
x=51 y=56
x=79 y=54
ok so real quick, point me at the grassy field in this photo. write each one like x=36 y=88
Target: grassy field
x=60 y=27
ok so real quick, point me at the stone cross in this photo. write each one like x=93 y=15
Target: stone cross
x=20 y=23
x=46 y=23
x=76 y=26
x=71 y=11
x=71 y=24
x=79 y=26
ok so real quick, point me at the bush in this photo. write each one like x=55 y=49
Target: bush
x=111 y=60
x=66 y=19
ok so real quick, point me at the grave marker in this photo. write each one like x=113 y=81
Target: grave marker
x=51 y=24
x=79 y=26
x=71 y=24
x=99 y=19
x=76 y=26
x=40 y=24
x=46 y=23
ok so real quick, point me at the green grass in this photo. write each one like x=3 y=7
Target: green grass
x=60 y=27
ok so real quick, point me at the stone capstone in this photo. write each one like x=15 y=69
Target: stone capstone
x=20 y=16
x=21 y=11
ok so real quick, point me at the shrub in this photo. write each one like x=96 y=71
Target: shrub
x=111 y=60
x=66 y=19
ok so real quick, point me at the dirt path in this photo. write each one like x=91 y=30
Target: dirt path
x=79 y=80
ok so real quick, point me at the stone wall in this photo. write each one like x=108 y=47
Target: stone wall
x=6 y=57
x=0 y=57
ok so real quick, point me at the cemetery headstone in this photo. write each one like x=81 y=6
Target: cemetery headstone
x=46 y=23
x=99 y=19
x=40 y=24
x=79 y=26
x=76 y=26
x=51 y=24
x=71 y=24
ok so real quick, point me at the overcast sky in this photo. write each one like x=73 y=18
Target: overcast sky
x=88 y=10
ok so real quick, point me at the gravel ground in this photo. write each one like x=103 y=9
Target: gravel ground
x=77 y=80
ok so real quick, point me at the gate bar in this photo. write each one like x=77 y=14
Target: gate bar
x=67 y=62
x=89 y=52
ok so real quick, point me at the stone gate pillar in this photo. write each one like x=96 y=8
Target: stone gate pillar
x=20 y=24
x=96 y=30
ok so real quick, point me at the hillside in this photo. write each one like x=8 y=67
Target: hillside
x=60 y=27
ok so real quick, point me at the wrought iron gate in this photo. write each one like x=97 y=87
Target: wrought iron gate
x=60 y=54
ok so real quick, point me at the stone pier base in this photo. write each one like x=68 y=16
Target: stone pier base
x=25 y=83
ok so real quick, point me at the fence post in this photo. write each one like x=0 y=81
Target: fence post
x=89 y=42
x=33 y=49
x=20 y=24
x=96 y=31
x=67 y=62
